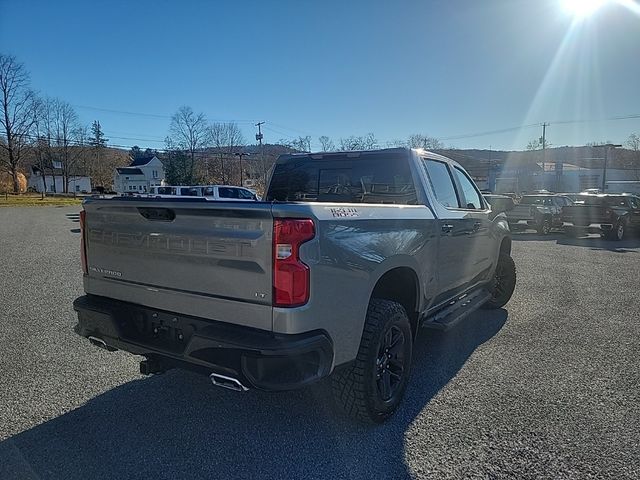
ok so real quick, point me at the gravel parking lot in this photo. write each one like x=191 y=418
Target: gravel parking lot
x=547 y=388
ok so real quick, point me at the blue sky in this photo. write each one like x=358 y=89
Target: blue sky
x=445 y=68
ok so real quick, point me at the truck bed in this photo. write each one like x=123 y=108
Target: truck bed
x=585 y=215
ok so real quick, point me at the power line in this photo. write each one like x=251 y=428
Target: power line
x=154 y=115
x=293 y=129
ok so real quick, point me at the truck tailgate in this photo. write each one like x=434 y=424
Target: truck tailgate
x=521 y=212
x=201 y=258
x=584 y=215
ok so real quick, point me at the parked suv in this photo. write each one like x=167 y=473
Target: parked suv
x=334 y=274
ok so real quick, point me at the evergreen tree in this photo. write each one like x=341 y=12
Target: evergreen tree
x=97 y=135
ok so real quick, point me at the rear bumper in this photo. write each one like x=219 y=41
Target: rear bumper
x=523 y=222
x=257 y=358
x=592 y=227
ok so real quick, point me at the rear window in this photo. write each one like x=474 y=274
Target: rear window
x=536 y=201
x=616 y=201
x=339 y=178
x=226 y=192
x=602 y=201
x=190 y=192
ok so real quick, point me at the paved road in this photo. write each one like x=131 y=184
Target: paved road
x=548 y=388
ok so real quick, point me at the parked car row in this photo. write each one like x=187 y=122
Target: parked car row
x=209 y=192
x=613 y=216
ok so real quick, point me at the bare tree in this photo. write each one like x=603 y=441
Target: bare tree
x=190 y=133
x=326 y=144
x=40 y=143
x=68 y=138
x=217 y=135
x=368 y=142
x=302 y=144
x=419 y=140
x=227 y=138
x=534 y=144
x=17 y=101
x=633 y=144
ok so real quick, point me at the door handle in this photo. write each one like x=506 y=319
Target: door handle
x=476 y=226
x=447 y=227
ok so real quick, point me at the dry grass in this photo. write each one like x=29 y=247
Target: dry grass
x=35 y=200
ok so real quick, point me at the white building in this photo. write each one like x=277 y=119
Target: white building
x=578 y=179
x=54 y=181
x=139 y=177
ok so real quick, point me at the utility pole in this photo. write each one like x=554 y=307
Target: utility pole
x=240 y=155
x=543 y=139
x=259 y=139
x=606 y=159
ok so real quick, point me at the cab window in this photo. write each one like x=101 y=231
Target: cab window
x=471 y=195
x=441 y=183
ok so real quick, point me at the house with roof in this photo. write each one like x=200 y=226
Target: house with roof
x=51 y=180
x=140 y=176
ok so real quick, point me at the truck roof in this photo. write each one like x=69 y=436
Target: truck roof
x=357 y=153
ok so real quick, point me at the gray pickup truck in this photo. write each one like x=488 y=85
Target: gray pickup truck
x=542 y=212
x=334 y=272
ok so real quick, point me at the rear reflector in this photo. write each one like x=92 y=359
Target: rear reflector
x=290 y=275
x=83 y=245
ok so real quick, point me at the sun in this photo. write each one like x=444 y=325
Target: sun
x=582 y=8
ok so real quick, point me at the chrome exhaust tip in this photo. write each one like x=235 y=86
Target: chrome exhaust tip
x=98 y=342
x=227 y=382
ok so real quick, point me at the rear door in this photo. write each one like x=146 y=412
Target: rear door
x=481 y=248
x=207 y=259
x=454 y=268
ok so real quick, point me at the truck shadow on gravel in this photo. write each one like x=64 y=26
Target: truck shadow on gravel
x=595 y=242
x=177 y=425
x=592 y=241
x=532 y=235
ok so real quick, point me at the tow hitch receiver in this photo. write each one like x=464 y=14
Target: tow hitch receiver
x=151 y=366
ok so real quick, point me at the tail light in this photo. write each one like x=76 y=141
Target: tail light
x=290 y=275
x=83 y=245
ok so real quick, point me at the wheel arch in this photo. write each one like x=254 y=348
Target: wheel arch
x=505 y=245
x=400 y=284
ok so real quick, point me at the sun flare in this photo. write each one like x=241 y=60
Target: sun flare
x=582 y=8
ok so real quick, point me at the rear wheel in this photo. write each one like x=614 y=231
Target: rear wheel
x=372 y=387
x=504 y=282
x=618 y=232
x=544 y=228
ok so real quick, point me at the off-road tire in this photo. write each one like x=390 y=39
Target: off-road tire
x=618 y=232
x=503 y=284
x=544 y=228
x=355 y=386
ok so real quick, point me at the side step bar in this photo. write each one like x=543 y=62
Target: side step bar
x=456 y=311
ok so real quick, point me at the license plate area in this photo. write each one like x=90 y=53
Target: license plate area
x=161 y=330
